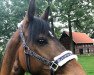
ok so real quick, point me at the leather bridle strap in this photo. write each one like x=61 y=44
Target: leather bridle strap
x=28 y=63
x=42 y=59
x=25 y=47
x=52 y=72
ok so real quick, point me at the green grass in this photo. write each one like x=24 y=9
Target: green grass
x=87 y=61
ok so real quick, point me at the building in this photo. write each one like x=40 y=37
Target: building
x=82 y=42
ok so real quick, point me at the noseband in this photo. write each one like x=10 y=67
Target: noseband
x=58 y=61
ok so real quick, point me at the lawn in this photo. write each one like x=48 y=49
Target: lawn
x=87 y=62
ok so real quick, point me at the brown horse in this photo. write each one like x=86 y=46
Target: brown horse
x=35 y=49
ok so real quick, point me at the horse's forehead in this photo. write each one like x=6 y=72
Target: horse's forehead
x=49 y=32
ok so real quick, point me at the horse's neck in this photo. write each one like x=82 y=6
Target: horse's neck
x=10 y=53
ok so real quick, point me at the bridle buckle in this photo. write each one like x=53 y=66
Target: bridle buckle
x=54 y=66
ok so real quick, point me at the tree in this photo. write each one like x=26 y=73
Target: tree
x=92 y=36
x=11 y=12
x=77 y=14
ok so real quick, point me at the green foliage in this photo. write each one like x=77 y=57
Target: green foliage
x=11 y=12
x=27 y=73
x=92 y=36
x=80 y=13
x=57 y=31
x=40 y=6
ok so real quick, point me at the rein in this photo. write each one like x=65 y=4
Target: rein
x=58 y=61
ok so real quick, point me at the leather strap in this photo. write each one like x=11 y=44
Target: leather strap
x=52 y=72
x=28 y=66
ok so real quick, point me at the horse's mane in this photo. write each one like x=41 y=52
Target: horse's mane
x=38 y=26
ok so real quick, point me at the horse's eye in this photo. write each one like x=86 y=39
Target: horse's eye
x=42 y=42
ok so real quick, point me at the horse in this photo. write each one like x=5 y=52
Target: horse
x=34 y=48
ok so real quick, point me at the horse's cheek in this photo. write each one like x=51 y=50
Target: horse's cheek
x=22 y=58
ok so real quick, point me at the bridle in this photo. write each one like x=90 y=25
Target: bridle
x=58 y=61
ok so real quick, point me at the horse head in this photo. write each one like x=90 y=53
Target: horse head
x=44 y=49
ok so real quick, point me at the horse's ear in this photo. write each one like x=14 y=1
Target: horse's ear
x=26 y=20
x=46 y=14
x=31 y=10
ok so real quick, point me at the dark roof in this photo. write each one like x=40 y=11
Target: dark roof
x=80 y=37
